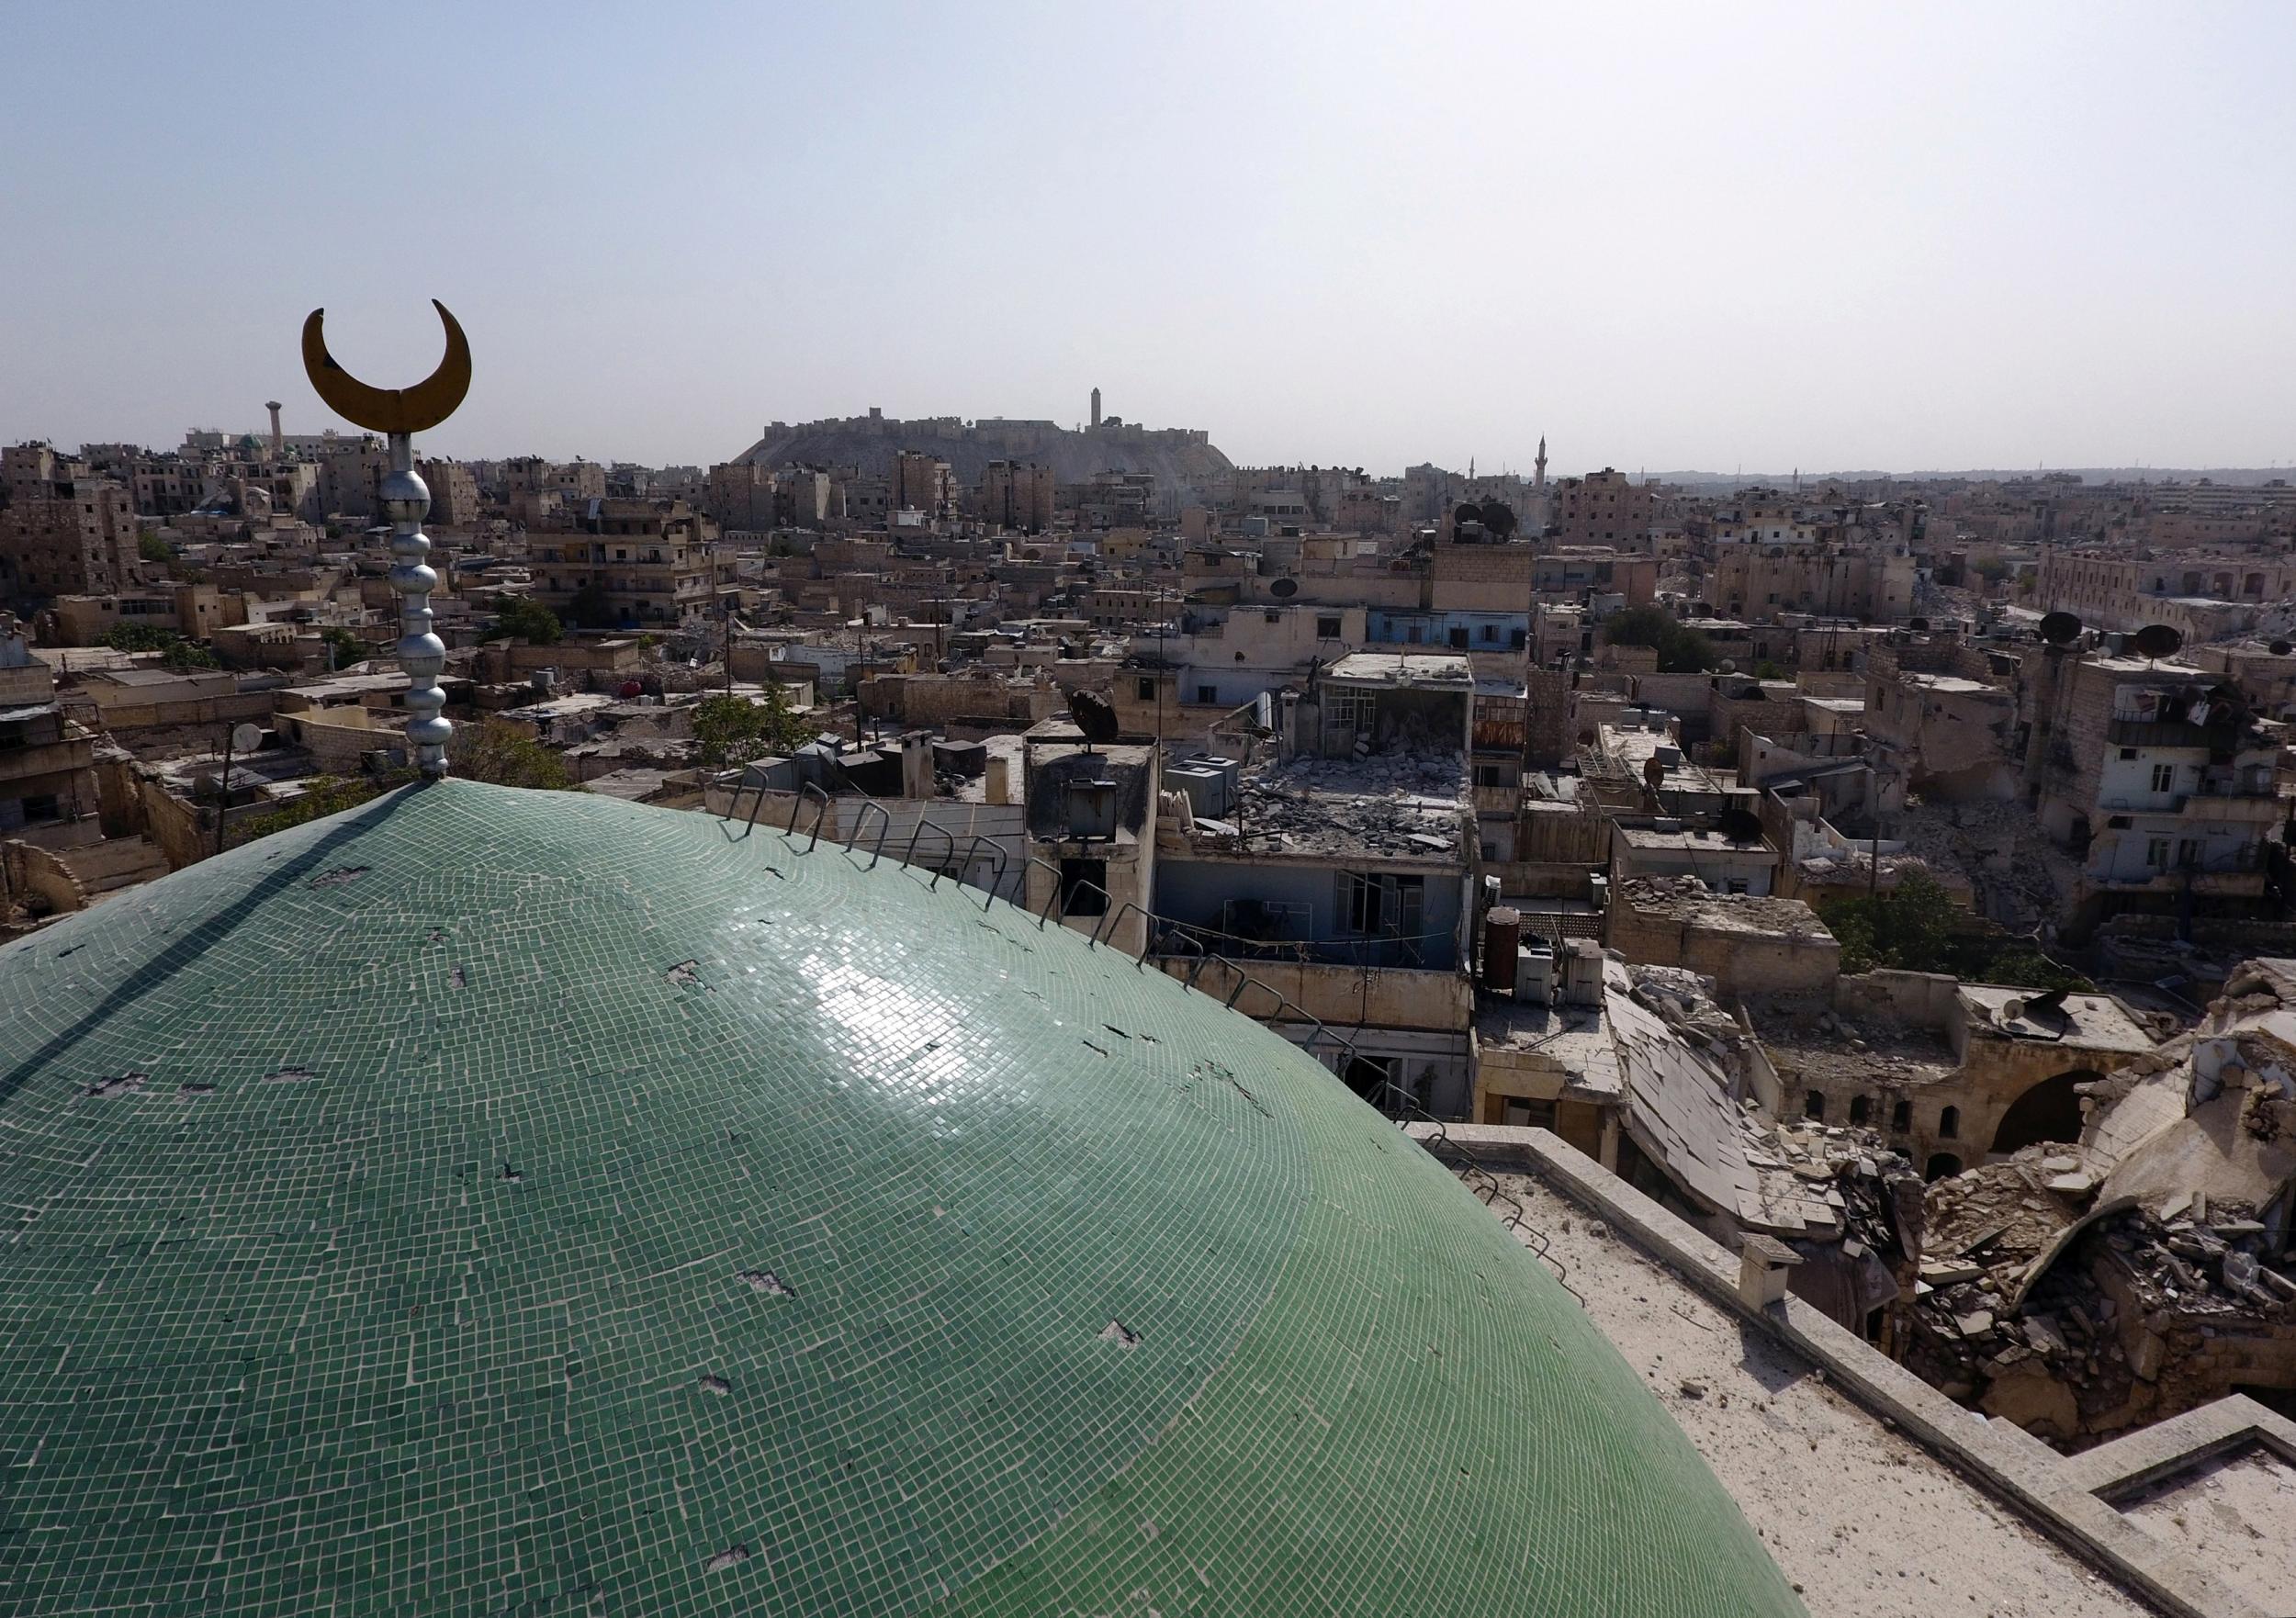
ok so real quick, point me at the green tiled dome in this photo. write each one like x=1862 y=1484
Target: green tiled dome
x=520 y=1203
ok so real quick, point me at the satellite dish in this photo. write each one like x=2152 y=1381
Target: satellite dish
x=1467 y=511
x=2281 y=649
x=2059 y=628
x=1498 y=518
x=2156 y=640
x=246 y=738
x=1916 y=624
x=1283 y=589
x=1728 y=666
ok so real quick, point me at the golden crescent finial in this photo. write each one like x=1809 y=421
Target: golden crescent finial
x=389 y=410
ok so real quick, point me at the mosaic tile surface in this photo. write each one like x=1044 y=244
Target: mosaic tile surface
x=527 y=1203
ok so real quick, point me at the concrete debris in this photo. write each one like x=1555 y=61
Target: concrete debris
x=2080 y=1291
x=2017 y=875
x=1403 y=802
x=1687 y=899
x=1849 y=1205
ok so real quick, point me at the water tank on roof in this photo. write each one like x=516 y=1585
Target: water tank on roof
x=1092 y=810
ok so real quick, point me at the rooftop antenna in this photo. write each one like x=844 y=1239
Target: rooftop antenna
x=399 y=413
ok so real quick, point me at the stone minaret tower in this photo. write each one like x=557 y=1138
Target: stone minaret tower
x=1538 y=467
x=278 y=439
x=1096 y=409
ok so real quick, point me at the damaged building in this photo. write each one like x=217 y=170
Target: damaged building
x=2084 y=1287
x=1639 y=1068
x=1334 y=865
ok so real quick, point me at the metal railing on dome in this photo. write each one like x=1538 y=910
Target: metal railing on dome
x=1393 y=1099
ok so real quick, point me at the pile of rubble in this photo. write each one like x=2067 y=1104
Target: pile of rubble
x=1689 y=899
x=1855 y=862
x=1848 y=1206
x=1401 y=802
x=2019 y=878
x=1812 y=1043
x=2083 y=1289
x=2076 y=1328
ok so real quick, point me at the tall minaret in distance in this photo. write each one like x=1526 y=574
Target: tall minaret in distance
x=1540 y=465
x=1096 y=409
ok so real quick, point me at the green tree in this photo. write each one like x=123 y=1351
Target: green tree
x=1916 y=927
x=182 y=655
x=1909 y=927
x=124 y=636
x=1990 y=568
x=1681 y=649
x=153 y=548
x=1768 y=669
x=2030 y=968
x=504 y=756
x=322 y=795
x=526 y=620
x=730 y=731
x=176 y=652
x=348 y=647
x=489 y=751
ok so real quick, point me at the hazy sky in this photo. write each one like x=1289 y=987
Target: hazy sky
x=1679 y=236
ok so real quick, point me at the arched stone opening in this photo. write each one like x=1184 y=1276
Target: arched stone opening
x=2050 y=1110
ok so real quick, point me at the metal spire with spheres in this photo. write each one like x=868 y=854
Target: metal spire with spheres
x=399 y=413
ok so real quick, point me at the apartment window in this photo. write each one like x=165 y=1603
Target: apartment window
x=2127 y=753
x=1901 y=1118
x=1145 y=689
x=2188 y=851
x=1327 y=629
x=1359 y=901
x=1490 y=775
x=2163 y=777
x=1490 y=632
x=1208 y=693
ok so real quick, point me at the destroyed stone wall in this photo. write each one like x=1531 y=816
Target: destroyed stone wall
x=1918 y=999
x=2080 y=1289
x=1747 y=945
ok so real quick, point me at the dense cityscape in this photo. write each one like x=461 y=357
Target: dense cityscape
x=1459 y=810
x=1867 y=869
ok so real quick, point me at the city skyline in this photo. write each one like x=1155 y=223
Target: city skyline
x=1799 y=237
